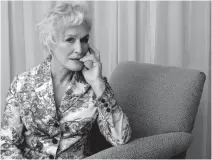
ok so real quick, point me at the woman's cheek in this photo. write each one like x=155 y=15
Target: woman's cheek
x=68 y=49
x=59 y=49
x=65 y=48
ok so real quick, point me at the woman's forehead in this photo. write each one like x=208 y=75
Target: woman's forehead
x=76 y=31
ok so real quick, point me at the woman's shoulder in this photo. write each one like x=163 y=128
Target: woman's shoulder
x=28 y=77
x=39 y=69
x=27 y=73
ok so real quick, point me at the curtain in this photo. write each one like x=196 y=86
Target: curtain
x=169 y=33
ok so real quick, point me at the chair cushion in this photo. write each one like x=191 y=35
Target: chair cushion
x=157 y=99
x=158 y=146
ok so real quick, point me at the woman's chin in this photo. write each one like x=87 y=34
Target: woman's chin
x=77 y=68
x=75 y=65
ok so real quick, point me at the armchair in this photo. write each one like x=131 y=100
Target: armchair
x=161 y=103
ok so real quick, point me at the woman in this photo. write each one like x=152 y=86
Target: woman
x=50 y=109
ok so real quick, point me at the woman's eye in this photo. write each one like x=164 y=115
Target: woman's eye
x=84 y=40
x=71 y=40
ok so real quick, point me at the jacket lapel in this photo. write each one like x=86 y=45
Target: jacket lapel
x=75 y=92
x=44 y=90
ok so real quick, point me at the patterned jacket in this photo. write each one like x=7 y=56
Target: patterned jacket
x=34 y=128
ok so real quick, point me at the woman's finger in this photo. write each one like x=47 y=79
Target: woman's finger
x=90 y=57
x=94 y=51
x=88 y=64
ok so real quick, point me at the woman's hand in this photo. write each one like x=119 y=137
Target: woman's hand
x=92 y=71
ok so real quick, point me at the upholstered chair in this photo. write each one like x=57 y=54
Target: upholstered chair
x=161 y=103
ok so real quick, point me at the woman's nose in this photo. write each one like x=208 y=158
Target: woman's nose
x=78 y=47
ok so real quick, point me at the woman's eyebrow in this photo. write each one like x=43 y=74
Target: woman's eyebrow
x=75 y=36
x=71 y=35
x=87 y=36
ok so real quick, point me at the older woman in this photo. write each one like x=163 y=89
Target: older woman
x=50 y=109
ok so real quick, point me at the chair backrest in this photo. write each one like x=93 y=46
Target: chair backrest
x=157 y=99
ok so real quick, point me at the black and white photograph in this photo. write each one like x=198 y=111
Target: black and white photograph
x=106 y=79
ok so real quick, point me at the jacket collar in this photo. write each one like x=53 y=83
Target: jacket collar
x=44 y=84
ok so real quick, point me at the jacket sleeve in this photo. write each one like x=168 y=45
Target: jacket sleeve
x=112 y=121
x=11 y=128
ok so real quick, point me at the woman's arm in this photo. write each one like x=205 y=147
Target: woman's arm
x=12 y=127
x=112 y=122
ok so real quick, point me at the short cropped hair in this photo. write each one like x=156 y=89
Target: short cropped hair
x=58 y=18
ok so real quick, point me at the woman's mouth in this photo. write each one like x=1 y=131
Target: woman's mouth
x=75 y=59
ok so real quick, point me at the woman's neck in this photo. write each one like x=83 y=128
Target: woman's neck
x=60 y=75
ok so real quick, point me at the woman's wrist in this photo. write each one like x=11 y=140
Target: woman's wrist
x=98 y=86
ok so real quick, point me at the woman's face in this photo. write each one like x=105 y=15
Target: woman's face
x=72 y=44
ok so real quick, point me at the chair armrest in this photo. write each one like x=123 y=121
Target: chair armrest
x=156 y=146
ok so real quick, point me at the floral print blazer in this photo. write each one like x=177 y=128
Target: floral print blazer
x=34 y=128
